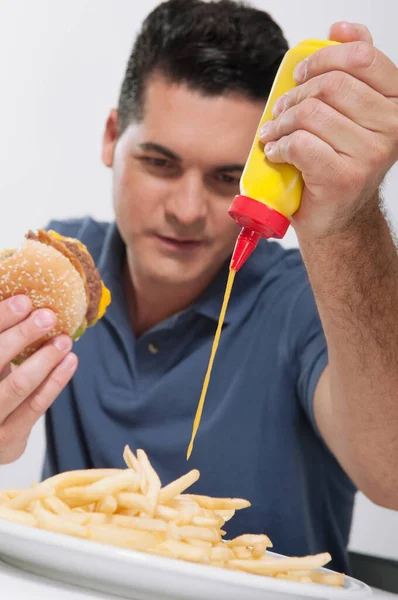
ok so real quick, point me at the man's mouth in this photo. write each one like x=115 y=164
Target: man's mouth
x=180 y=244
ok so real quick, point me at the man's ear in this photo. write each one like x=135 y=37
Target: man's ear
x=109 y=138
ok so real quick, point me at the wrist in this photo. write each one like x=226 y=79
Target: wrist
x=346 y=228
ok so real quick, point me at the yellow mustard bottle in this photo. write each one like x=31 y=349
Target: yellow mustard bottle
x=269 y=194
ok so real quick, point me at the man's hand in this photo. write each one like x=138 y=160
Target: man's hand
x=339 y=127
x=27 y=391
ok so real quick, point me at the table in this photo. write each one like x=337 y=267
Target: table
x=15 y=583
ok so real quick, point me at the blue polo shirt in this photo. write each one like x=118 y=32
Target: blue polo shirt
x=258 y=438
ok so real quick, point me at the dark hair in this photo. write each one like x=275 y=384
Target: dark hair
x=214 y=47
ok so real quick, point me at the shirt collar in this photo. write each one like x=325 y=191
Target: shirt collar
x=244 y=292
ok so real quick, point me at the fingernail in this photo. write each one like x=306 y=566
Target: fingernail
x=265 y=127
x=300 y=72
x=44 y=318
x=19 y=304
x=269 y=148
x=63 y=342
x=69 y=362
x=279 y=105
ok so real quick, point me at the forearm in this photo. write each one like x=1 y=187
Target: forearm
x=354 y=276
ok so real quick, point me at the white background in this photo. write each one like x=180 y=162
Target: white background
x=62 y=62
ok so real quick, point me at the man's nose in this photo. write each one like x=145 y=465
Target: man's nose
x=187 y=202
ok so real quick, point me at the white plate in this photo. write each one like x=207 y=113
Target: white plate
x=143 y=576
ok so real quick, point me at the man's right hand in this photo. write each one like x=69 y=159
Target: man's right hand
x=27 y=391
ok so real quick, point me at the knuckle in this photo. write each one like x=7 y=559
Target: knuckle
x=362 y=55
x=24 y=331
x=17 y=385
x=331 y=84
x=36 y=404
x=58 y=381
x=379 y=155
x=298 y=142
x=307 y=109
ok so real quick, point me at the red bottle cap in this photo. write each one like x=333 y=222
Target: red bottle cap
x=259 y=217
x=245 y=244
x=258 y=220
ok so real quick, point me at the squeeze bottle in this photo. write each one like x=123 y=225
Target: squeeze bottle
x=269 y=193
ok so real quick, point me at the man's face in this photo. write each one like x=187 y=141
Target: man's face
x=175 y=174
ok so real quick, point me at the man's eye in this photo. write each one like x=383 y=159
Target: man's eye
x=156 y=162
x=228 y=179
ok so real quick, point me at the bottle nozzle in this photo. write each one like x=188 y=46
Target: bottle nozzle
x=245 y=244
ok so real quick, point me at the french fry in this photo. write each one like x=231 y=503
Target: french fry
x=17 y=516
x=80 y=495
x=187 y=532
x=204 y=521
x=175 y=488
x=257 y=542
x=259 y=549
x=128 y=512
x=107 y=505
x=12 y=492
x=177 y=549
x=200 y=543
x=83 y=477
x=23 y=500
x=56 y=505
x=241 y=552
x=56 y=523
x=282 y=565
x=119 y=536
x=226 y=515
x=292 y=576
x=221 y=564
x=187 y=513
x=166 y=512
x=133 y=463
x=251 y=539
x=131 y=460
x=335 y=579
x=219 y=503
x=154 y=483
x=133 y=500
x=139 y=523
x=221 y=553
x=97 y=518
x=112 y=484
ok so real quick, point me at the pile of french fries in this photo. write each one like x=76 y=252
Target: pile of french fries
x=129 y=508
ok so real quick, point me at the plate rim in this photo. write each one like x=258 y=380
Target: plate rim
x=176 y=566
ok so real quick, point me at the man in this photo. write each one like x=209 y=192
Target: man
x=302 y=407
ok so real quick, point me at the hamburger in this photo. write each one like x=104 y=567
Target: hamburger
x=58 y=273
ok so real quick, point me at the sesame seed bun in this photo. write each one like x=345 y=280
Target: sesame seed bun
x=48 y=277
